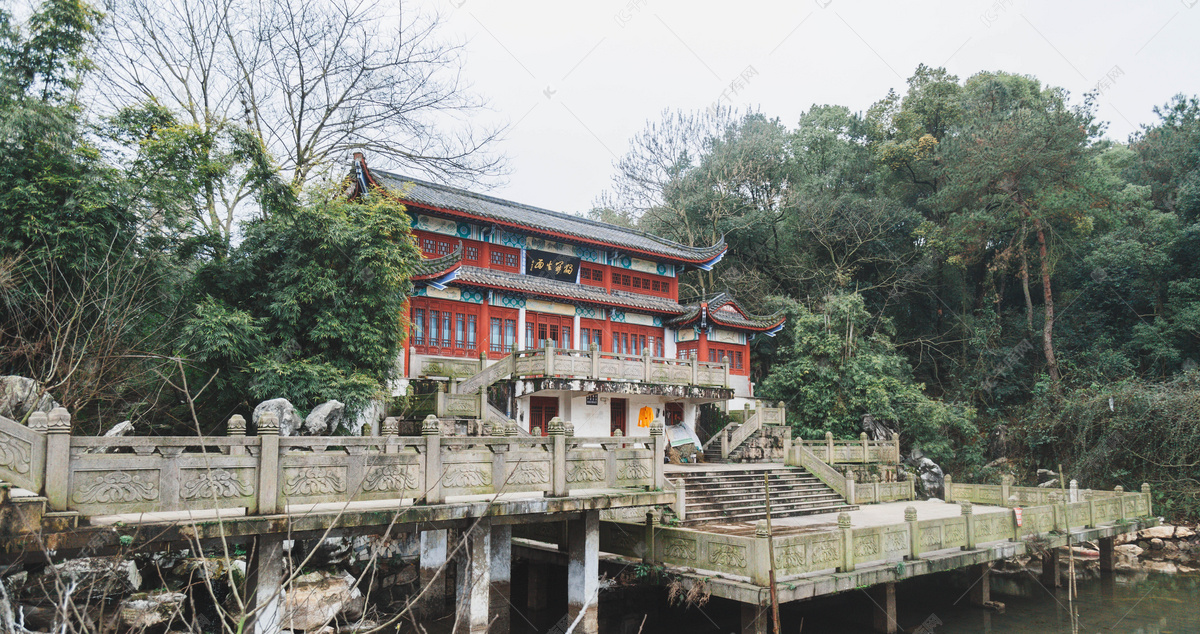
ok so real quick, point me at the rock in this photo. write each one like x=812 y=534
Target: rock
x=95 y=577
x=140 y=612
x=116 y=431
x=1183 y=532
x=1164 y=567
x=930 y=478
x=289 y=421
x=875 y=429
x=361 y=627
x=996 y=463
x=371 y=415
x=1048 y=484
x=315 y=599
x=1000 y=442
x=1156 y=544
x=19 y=396
x=1161 y=532
x=1046 y=473
x=325 y=418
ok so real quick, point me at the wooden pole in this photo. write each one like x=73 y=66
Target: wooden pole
x=771 y=554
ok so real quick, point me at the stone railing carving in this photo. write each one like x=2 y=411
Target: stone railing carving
x=265 y=473
x=844 y=548
x=610 y=366
x=861 y=451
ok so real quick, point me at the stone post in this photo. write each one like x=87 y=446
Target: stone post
x=431 y=429
x=537 y=586
x=58 y=458
x=473 y=581
x=1146 y=494
x=1016 y=530
x=680 y=506
x=695 y=371
x=646 y=365
x=558 y=479
x=1006 y=481
x=501 y=578
x=948 y=485
x=583 y=571
x=828 y=447
x=851 y=498
x=756 y=619
x=1056 y=504
x=787 y=444
x=569 y=429
x=1050 y=577
x=434 y=551
x=875 y=488
x=1120 y=491
x=511 y=429
x=883 y=604
x=658 y=452
x=760 y=570
x=745 y=412
x=595 y=353
x=391 y=430
x=264 y=584
x=268 y=465
x=236 y=428
x=969 y=518
x=843 y=521
x=981 y=592
x=896 y=447
x=1091 y=502
x=724 y=444
x=1108 y=554
x=39 y=422
x=866 y=447
x=914 y=533
x=549 y=356
x=483 y=402
x=1073 y=490
x=648 y=557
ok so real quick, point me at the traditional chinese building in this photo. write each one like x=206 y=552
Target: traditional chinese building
x=524 y=313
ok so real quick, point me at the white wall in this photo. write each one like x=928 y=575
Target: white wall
x=595 y=420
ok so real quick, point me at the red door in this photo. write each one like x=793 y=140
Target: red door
x=619 y=411
x=541 y=410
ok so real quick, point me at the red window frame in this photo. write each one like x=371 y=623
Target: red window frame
x=444 y=328
x=641 y=283
x=632 y=339
x=504 y=259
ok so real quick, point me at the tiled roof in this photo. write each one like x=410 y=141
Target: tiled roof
x=742 y=319
x=550 y=223
x=436 y=267
x=533 y=285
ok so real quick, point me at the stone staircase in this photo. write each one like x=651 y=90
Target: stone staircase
x=712 y=454
x=737 y=495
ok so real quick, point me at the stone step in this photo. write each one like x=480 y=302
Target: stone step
x=752 y=517
x=733 y=499
x=782 y=504
x=757 y=485
x=733 y=494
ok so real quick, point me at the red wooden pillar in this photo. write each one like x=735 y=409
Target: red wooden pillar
x=702 y=341
x=485 y=326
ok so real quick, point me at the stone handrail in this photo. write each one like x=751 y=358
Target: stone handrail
x=739 y=435
x=489 y=375
x=611 y=366
x=802 y=457
x=844 y=548
x=861 y=451
x=266 y=473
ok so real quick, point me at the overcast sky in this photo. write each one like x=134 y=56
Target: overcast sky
x=575 y=80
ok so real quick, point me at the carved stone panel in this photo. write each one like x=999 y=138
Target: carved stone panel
x=585 y=471
x=213 y=484
x=467 y=476
x=866 y=546
x=679 y=548
x=108 y=487
x=527 y=473
x=791 y=557
x=726 y=556
x=303 y=481
x=394 y=477
x=633 y=469
x=824 y=552
x=15 y=454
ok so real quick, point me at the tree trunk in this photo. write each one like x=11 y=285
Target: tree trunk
x=1048 y=300
x=1025 y=287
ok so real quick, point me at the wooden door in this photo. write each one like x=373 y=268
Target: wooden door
x=619 y=412
x=541 y=410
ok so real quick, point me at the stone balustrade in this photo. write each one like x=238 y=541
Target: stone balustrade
x=843 y=548
x=861 y=451
x=264 y=474
x=597 y=365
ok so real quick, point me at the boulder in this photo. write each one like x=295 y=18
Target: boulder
x=20 y=395
x=371 y=415
x=140 y=612
x=116 y=431
x=875 y=429
x=289 y=420
x=1160 y=532
x=1156 y=544
x=95 y=577
x=315 y=599
x=1183 y=532
x=930 y=479
x=1164 y=567
x=1042 y=474
x=325 y=419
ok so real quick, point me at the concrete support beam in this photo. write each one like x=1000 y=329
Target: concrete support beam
x=1050 y=576
x=883 y=608
x=433 y=559
x=500 y=598
x=539 y=586
x=264 y=585
x=473 y=587
x=756 y=619
x=1108 y=554
x=981 y=592
x=583 y=571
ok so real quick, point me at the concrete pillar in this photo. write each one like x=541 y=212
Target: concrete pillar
x=538 y=586
x=1050 y=576
x=583 y=571
x=756 y=619
x=500 y=600
x=264 y=585
x=883 y=608
x=433 y=559
x=473 y=587
x=58 y=456
x=1108 y=554
x=981 y=592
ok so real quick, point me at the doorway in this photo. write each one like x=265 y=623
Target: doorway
x=541 y=410
x=619 y=409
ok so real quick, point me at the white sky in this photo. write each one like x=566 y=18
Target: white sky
x=575 y=80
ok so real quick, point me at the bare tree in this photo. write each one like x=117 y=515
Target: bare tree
x=315 y=78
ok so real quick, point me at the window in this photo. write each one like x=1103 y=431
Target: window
x=510 y=334
x=737 y=359
x=435 y=318
x=471 y=332
x=505 y=258
x=585 y=339
x=565 y=341
x=637 y=282
x=419 y=327
x=471 y=253
x=460 y=330
x=495 y=343
x=666 y=287
x=585 y=273
x=592 y=276
x=445 y=328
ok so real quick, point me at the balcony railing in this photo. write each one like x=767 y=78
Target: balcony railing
x=611 y=366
